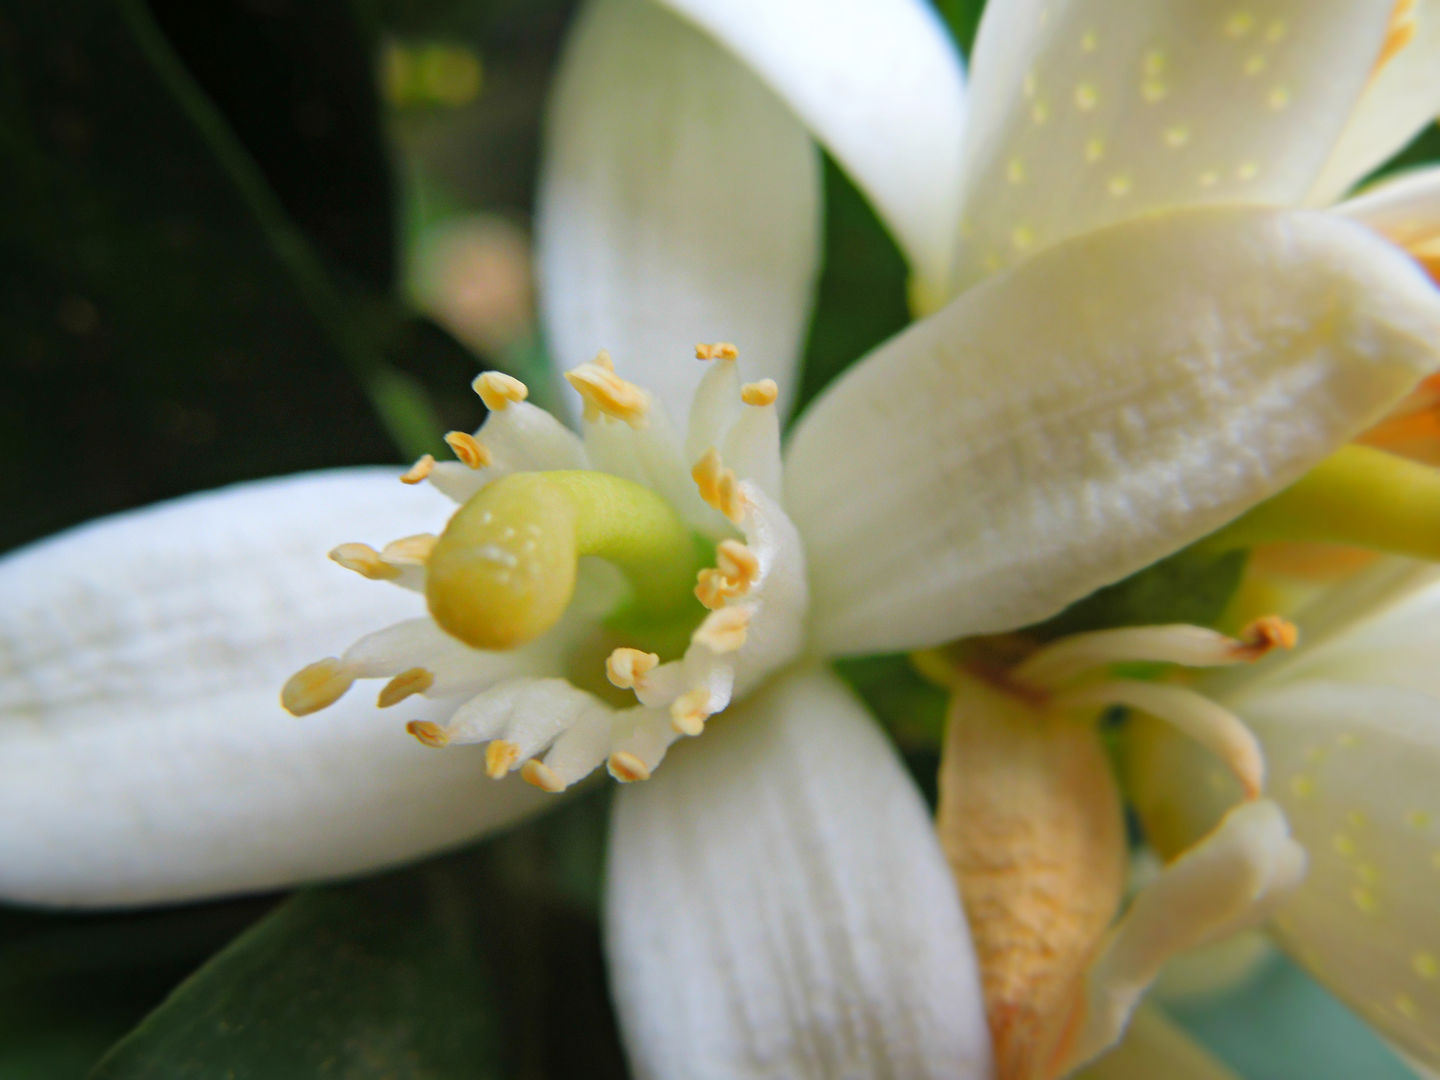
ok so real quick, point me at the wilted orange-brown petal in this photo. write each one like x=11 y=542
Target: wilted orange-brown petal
x=1030 y=820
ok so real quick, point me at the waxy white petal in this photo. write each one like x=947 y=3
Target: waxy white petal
x=778 y=905
x=1229 y=881
x=679 y=203
x=145 y=753
x=880 y=84
x=1400 y=99
x=1405 y=209
x=1087 y=112
x=1355 y=766
x=1054 y=429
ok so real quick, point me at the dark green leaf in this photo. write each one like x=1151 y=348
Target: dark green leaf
x=381 y=979
x=1188 y=587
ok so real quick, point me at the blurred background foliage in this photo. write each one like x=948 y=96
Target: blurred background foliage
x=253 y=237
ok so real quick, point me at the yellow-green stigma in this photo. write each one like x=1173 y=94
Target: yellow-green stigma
x=1360 y=497
x=503 y=571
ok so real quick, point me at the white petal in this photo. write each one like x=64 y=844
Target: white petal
x=1110 y=401
x=1155 y=1046
x=679 y=203
x=879 y=83
x=1402 y=98
x=1355 y=767
x=1088 y=112
x=1229 y=881
x=778 y=905
x=1405 y=209
x=145 y=752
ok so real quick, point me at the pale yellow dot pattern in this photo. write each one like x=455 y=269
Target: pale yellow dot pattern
x=1182 y=103
x=1425 y=965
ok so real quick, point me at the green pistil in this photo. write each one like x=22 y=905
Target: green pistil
x=1360 y=497
x=503 y=571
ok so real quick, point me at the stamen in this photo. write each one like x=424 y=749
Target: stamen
x=1212 y=726
x=1193 y=646
x=470 y=450
x=316 y=686
x=365 y=561
x=497 y=390
x=419 y=471
x=627 y=768
x=760 y=393
x=720 y=350
x=500 y=758
x=713 y=588
x=718 y=486
x=410 y=550
x=626 y=668
x=538 y=774
x=737 y=562
x=428 y=733
x=606 y=393
x=1398 y=34
x=725 y=630
x=414 y=681
x=689 y=711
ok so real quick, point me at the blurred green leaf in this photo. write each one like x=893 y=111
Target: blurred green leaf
x=1189 y=587
x=381 y=979
x=963 y=19
x=166 y=324
x=861 y=299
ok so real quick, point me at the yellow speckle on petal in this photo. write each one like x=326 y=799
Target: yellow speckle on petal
x=1346 y=740
x=1155 y=62
x=1356 y=819
x=1367 y=874
x=1302 y=786
x=1255 y=63
x=1015 y=170
x=1239 y=24
x=1278 y=98
x=1418 y=819
x=1405 y=1006
x=1276 y=31
x=1094 y=150
x=1344 y=845
x=1022 y=238
x=1040 y=113
x=1154 y=91
x=1363 y=899
x=1086 y=97
x=1247 y=170
x=1425 y=965
x=1089 y=42
x=1176 y=136
x=1118 y=185
x=1208 y=178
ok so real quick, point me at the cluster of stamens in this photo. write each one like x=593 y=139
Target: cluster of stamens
x=675 y=698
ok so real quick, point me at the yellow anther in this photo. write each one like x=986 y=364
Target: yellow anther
x=720 y=350
x=718 y=485
x=737 y=562
x=365 y=561
x=689 y=711
x=602 y=359
x=760 y=393
x=538 y=774
x=1265 y=634
x=605 y=393
x=1398 y=34
x=428 y=733
x=470 y=450
x=419 y=471
x=500 y=758
x=316 y=686
x=497 y=390
x=627 y=768
x=725 y=630
x=732 y=502
x=713 y=588
x=410 y=550
x=414 y=681
x=627 y=668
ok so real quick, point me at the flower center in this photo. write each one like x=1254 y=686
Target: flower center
x=503 y=571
